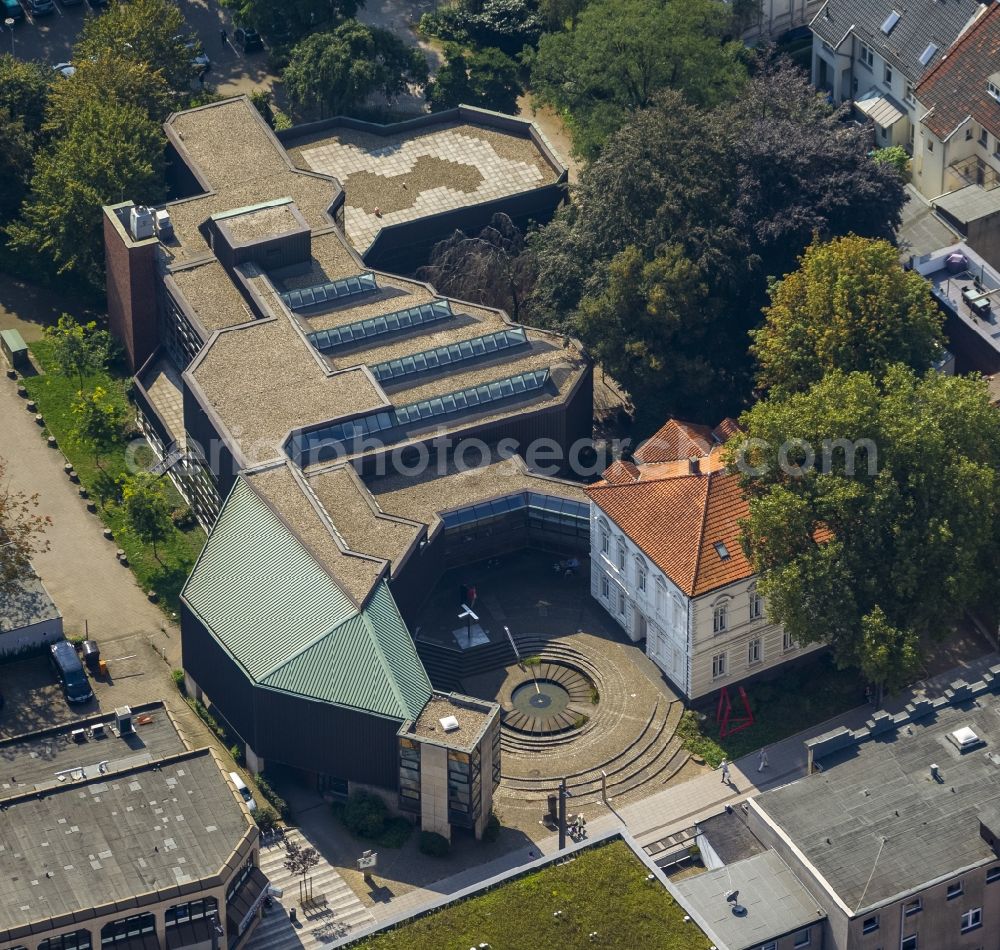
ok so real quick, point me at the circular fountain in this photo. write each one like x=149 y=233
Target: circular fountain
x=540 y=698
x=555 y=698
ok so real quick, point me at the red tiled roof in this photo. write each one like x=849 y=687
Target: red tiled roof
x=677 y=516
x=956 y=87
x=676 y=440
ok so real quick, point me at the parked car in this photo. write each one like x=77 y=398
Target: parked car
x=245 y=792
x=12 y=10
x=41 y=7
x=64 y=69
x=70 y=671
x=248 y=39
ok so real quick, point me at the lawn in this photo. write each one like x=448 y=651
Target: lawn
x=55 y=395
x=603 y=890
x=796 y=699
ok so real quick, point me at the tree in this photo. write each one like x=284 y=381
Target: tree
x=109 y=151
x=335 y=71
x=896 y=157
x=99 y=420
x=152 y=33
x=742 y=189
x=874 y=546
x=849 y=306
x=489 y=268
x=284 y=24
x=23 y=92
x=623 y=52
x=78 y=349
x=557 y=14
x=488 y=79
x=21 y=532
x=147 y=509
x=300 y=860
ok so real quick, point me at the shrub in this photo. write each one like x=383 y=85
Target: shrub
x=266 y=818
x=507 y=25
x=276 y=801
x=207 y=718
x=178 y=677
x=237 y=753
x=183 y=518
x=894 y=155
x=434 y=845
x=696 y=742
x=365 y=814
x=492 y=830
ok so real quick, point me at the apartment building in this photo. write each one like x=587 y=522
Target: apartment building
x=874 y=53
x=668 y=565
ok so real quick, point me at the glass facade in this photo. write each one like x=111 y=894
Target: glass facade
x=329 y=291
x=465 y=800
x=121 y=931
x=78 y=940
x=192 y=910
x=326 y=340
x=409 y=774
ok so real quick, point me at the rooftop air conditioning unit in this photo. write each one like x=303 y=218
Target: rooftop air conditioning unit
x=164 y=226
x=964 y=739
x=449 y=723
x=97 y=731
x=79 y=735
x=123 y=720
x=140 y=221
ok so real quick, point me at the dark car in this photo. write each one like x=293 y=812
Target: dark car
x=11 y=10
x=69 y=669
x=41 y=7
x=248 y=39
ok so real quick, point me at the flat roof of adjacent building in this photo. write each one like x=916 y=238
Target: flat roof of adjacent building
x=473 y=716
x=28 y=604
x=875 y=823
x=417 y=172
x=129 y=820
x=775 y=901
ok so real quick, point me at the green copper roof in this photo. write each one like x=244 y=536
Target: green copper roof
x=268 y=602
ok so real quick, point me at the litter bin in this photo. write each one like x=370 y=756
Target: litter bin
x=92 y=656
x=554 y=807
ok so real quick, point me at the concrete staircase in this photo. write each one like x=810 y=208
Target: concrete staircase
x=335 y=912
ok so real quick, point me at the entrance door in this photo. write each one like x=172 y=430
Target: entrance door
x=640 y=626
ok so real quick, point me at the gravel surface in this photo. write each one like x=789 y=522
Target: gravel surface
x=369 y=190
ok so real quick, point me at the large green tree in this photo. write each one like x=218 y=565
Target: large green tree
x=486 y=78
x=24 y=89
x=850 y=305
x=285 y=23
x=78 y=349
x=109 y=151
x=99 y=419
x=335 y=71
x=880 y=540
x=622 y=52
x=741 y=189
x=147 y=508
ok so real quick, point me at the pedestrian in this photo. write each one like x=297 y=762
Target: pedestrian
x=725 y=771
x=763 y=760
x=224 y=36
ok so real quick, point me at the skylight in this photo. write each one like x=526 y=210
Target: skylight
x=721 y=550
x=928 y=54
x=429 y=360
x=890 y=21
x=330 y=290
x=326 y=340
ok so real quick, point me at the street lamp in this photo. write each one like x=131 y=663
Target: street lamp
x=9 y=23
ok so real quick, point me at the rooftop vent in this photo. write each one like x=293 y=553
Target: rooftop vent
x=449 y=723
x=964 y=739
x=890 y=21
x=140 y=222
x=928 y=54
x=123 y=720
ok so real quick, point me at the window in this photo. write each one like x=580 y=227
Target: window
x=605 y=587
x=909 y=943
x=968 y=134
x=888 y=75
x=991 y=88
x=955 y=889
x=869 y=925
x=913 y=907
x=78 y=940
x=720 y=618
x=993 y=875
x=909 y=94
x=866 y=55
x=192 y=910
x=769 y=946
x=621 y=602
x=124 y=931
x=640 y=575
x=721 y=550
x=605 y=540
x=621 y=555
x=984 y=137
x=718 y=665
x=972 y=919
x=788 y=642
x=802 y=939
x=427 y=361
x=754 y=652
x=756 y=605
x=930 y=145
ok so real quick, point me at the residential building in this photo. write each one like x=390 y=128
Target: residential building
x=958 y=148
x=29 y=617
x=874 y=53
x=668 y=565
x=317 y=412
x=117 y=835
x=896 y=833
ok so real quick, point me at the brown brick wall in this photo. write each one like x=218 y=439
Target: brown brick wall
x=131 y=288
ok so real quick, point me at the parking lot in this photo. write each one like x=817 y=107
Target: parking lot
x=50 y=39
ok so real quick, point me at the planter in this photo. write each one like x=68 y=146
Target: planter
x=68 y=468
x=92 y=507
x=108 y=533
x=39 y=419
x=31 y=406
x=73 y=477
x=52 y=442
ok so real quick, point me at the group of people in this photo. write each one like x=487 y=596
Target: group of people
x=577 y=827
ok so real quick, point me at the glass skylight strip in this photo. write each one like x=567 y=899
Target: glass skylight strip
x=306 y=443
x=326 y=340
x=331 y=290
x=463 y=350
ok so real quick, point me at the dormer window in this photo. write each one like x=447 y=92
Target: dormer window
x=722 y=551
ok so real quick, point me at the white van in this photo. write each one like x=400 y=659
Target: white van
x=241 y=787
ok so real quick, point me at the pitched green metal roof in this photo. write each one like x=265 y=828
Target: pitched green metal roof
x=273 y=608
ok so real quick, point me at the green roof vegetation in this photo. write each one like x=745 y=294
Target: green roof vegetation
x=281 y=616
x=603 y=890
